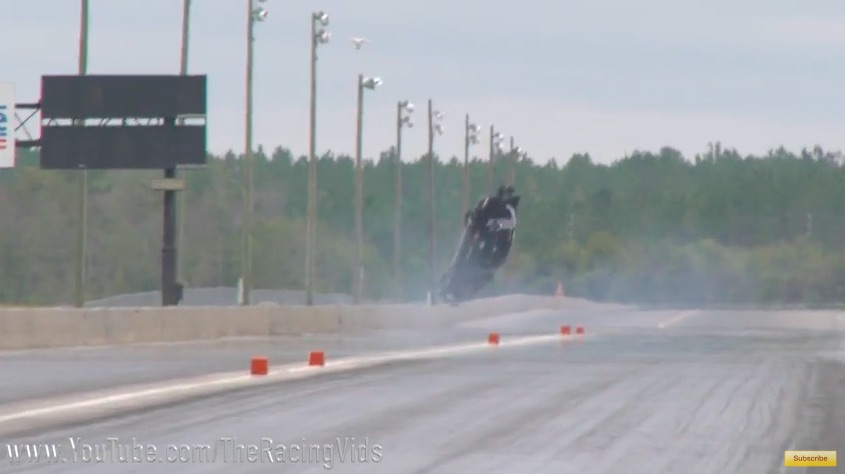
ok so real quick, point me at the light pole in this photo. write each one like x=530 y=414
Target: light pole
x=171 y=250
x=82 y=180
x=496 y=139
x=515 y=153
x=183 y=69
x=363 y=83
x=403 y=119
x=319 y=20
x=254 y=14
x=434 y=127
x=471 y=132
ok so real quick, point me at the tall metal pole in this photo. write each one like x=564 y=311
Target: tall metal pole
x=246 y=250
x=183 y=69
x=431 y=208
x=168 y=239
x=490 y=163
x=170 y=261
x=465 y=191
x=82 y=180
x=311 y=219
x=359 y=194
x=397 y=203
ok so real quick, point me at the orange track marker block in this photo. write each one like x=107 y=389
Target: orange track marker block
x=565 y=330
x=493 y=338
x=317 y=358
x=259 y=366
x=579 y=330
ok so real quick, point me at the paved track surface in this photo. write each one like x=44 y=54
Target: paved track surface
x=652 y=392
x=51 y=372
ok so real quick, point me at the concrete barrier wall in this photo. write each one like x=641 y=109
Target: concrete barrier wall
x=22 y=328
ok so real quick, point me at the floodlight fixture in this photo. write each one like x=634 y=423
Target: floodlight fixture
x=408 y=108
x=322 y=17
x=436 y=117
x=259 y=14
x=371 y=82
x=496 y=141
x=472 y=133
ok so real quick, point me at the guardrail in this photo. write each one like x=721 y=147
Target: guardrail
x=22 y=328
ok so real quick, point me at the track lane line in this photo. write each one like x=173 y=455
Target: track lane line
x=226 y=381
x=676 y=319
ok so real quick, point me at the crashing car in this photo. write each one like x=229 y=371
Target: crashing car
x=485 y=244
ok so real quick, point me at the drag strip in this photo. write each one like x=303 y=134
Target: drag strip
x=715 y=392
x=53 y=372
x=29 y=374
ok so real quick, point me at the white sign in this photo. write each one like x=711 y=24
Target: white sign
x=7 y=125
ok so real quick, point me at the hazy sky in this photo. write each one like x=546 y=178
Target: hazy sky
x=599 y=76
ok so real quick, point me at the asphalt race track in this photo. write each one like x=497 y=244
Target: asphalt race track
x=644 y=392
x=41 y=373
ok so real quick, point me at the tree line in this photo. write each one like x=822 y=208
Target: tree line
x=652 y=227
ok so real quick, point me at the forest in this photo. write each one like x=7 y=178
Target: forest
x=650 y=228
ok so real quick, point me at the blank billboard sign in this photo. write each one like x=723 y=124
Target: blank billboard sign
x=111 y=97
x=122 y=147
x=88 y=121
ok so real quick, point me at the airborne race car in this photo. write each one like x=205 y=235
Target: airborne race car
x=485 y=243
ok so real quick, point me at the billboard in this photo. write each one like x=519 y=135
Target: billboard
x=162 y=143
x=103 y=148
x=116 y=97
x=7 y=125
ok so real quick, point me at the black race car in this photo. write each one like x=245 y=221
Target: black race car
x=486 y=241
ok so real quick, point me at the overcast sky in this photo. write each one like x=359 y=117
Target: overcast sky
x=599 y=76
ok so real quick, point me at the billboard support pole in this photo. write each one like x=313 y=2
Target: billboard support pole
x=169 y=259
x=164 y=142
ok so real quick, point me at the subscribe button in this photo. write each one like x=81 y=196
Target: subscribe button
x=809 y=459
